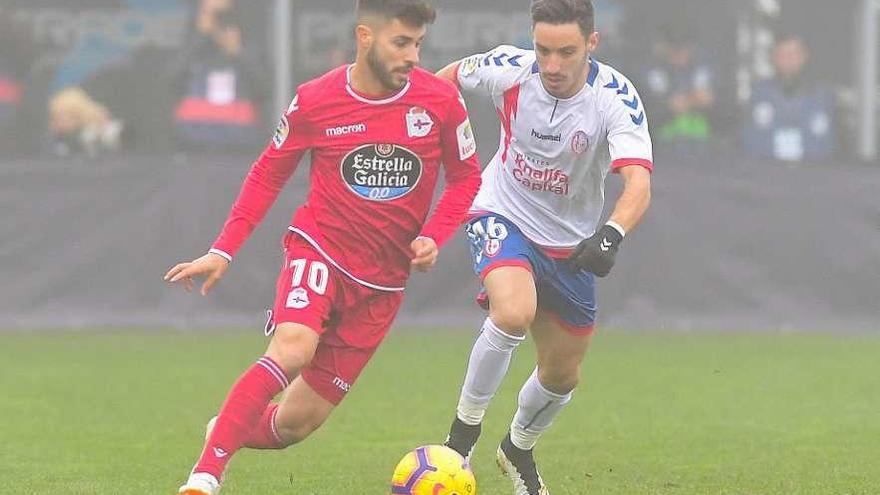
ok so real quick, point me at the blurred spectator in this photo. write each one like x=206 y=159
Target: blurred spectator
x=77 y=123
x=204 y=19
x=11 y=90
x=219 y=89
x=790 y=118
x=98 y=74
x=679 y=90
x=18 y=52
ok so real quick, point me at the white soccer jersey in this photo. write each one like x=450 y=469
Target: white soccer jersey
x=549 y=172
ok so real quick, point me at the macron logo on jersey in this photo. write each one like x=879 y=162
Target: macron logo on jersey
x=345 y=130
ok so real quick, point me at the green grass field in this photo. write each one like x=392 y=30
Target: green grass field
x=123 y=413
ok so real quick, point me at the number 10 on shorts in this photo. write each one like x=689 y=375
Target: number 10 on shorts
x=318 y=277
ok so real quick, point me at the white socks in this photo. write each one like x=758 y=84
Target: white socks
x=537 y=409
x=490 y=358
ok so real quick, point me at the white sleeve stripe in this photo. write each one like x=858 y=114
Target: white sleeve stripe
x=221 y=253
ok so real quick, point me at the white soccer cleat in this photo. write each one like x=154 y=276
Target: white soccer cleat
x=520 y=467
x=200 y=484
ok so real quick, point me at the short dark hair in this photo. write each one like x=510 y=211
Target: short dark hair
x=413 y=12
x=564 y=12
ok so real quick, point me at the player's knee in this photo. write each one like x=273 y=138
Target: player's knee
x=294 y=347
x=559 y=379
x=513 y=320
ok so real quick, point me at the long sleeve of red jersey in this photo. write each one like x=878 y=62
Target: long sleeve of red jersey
x=462 y=172
x=264 y=182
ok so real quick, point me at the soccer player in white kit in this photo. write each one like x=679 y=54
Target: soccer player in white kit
x=536 y=237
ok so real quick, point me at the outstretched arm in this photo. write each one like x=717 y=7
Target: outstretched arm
x=259 y=191
x=261 y=187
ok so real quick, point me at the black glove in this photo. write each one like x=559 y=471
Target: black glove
x=596 y=253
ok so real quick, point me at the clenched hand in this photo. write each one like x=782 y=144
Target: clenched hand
x=424 y=253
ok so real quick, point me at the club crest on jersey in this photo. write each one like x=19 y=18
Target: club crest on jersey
x=418 y=122
x=381 y=172
x=281 y=132
x=580 y=142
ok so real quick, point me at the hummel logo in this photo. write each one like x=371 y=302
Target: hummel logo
x=605 y=246
x=220 y=453
x=547 y=137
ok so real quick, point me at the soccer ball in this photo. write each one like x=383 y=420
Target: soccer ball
x=433 y=470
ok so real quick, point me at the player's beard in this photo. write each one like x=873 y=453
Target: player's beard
x=566 y=85
x=380 y=69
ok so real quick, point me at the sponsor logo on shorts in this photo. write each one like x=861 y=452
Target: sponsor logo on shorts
x=381 y=172
x=341 y=384
x=298 y=299
x=492 y=247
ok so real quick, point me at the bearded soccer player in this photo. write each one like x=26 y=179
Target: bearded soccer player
x=379 y=130
x=536 y=236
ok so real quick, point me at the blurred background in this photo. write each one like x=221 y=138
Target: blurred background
x=126 y=127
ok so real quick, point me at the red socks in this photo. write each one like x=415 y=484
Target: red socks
x=241 y=415
x=265 y=434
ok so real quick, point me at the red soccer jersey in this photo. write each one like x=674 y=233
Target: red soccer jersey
x=375 y=164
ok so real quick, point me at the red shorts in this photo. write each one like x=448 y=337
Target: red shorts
x=350 y=318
